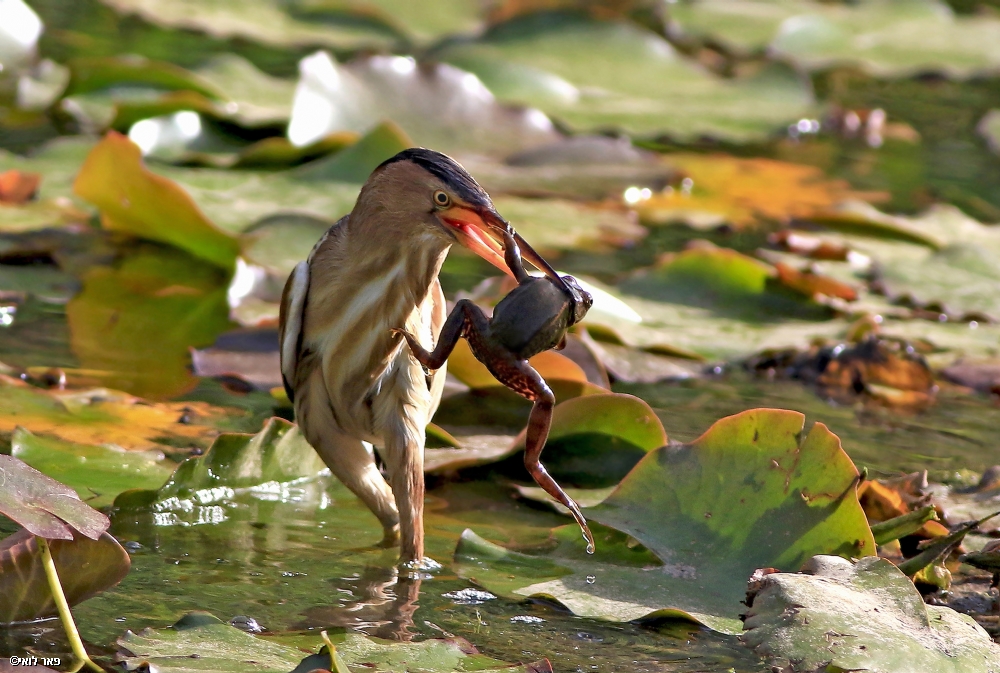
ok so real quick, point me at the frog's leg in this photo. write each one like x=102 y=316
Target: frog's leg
x=512 y=257
x=465 y=317
x=522 y=378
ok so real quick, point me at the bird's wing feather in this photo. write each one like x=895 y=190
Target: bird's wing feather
x=293 y=301
x=438 y=315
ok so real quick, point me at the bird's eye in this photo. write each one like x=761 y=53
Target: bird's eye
x=441 y=199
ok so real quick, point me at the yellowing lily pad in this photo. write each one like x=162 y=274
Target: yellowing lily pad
x=136 y=201
x=103 y=416
x=751 y=492
x=742 y=192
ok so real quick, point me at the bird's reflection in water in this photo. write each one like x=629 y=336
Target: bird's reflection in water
x=380 y=602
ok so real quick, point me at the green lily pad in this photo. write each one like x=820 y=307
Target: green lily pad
x=86 y=567
x=44 y=506
x=864 y=615
x=437 y=105
x=597 y=75
x=596 y=439
x=155 y=296
x=97 y=473
x=136 y=201
x=893 y=38
x=946 y=262
x=201 y=642
x=266 y=461
x=989 y=129
x=271 y=22
x=355 y=163
x=751 y=492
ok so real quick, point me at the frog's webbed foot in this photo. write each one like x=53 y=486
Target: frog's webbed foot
x=529 y=383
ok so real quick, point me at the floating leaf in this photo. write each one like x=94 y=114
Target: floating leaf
x=989 y=129
x=17 y=187
x=44 y=506
x=473 y=373
x=886 y=39
x=355 y=163
x=136 y=201
x=596 y=439
x=217 y=646
x=597 y=75
x=155 y=296
x=863 y=615
x=276 y=455
x=98 y=473
x=271 y=22
x=750 y=492
x=104 y=416
x=86 y=568
x=741 y=192
x=435 y=104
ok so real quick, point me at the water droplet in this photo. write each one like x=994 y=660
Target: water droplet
x=591 y=579
x=590 y=548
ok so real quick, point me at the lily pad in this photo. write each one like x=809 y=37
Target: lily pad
x=751 y=492
x=86 y=567
x=887 y=38
x=740 y=192
x=863 y=615
x=201 y=642
x=44 y=506
x=97 y=473
x=134 y=200
x=989 y=129
x=104 y=416
x=436 y=104
x=273 y=457
x=598 y=75
x=272 y=22
x=596 y=439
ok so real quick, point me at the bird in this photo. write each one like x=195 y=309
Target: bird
x=353 y=383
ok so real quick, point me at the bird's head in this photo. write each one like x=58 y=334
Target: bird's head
x=441 y=197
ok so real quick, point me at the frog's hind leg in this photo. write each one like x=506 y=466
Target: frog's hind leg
x=528 y=383
x=465 y=317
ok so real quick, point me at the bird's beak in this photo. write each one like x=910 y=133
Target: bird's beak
x=480 y=230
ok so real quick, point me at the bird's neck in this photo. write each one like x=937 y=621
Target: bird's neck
x=409 y=254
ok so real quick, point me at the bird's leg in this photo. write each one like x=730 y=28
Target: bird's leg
x=464 y=314
x=525 y=381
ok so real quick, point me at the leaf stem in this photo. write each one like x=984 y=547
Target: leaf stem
x=60 y=599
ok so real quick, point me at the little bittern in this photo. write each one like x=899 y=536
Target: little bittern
x=350 y=377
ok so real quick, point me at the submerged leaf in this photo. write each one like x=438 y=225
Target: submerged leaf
x=154 y=296
x=86 y=568
x=863 y=615
x=201 y=642
x=749 y=493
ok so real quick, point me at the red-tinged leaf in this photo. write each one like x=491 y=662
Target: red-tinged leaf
x=43 y=505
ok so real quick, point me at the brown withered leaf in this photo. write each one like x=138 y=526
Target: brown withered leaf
x=812 y=284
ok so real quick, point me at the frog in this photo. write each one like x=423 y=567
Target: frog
x=531 y=318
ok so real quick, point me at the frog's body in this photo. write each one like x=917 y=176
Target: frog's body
x=532 y=318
